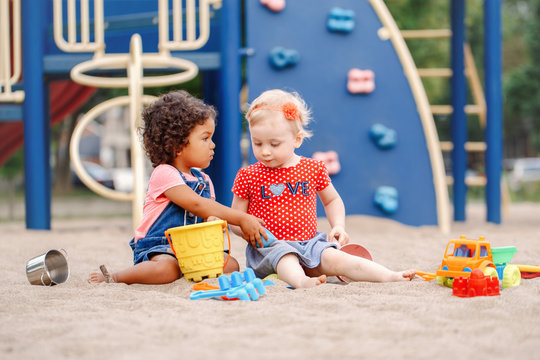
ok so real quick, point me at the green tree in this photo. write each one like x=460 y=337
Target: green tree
x=522 y=86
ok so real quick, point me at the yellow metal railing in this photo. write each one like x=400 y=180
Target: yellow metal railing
x=10 y=63
x=479 y=107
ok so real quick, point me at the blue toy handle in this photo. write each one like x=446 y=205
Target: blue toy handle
x=270 y=241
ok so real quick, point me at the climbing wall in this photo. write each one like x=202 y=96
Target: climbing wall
x=331 y=53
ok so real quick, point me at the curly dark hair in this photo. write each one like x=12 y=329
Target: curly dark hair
x=168 y=121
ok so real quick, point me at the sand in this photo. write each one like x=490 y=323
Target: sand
x=414 y=320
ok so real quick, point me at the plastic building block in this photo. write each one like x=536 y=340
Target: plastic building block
x=274 y=5
x=360 y=81
x=477 y=284
x=281 y=58
x=386 y=199
x=239 y=286
x=270 y=241
x=330 y=159
x=382 y=136
x=340 y=20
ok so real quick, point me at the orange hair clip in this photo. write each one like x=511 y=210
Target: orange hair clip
x=289 y=110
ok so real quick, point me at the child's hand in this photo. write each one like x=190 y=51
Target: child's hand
x=252 y=230
x=212 y=218
x=339 y=235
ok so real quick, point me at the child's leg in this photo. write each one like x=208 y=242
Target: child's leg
x=290 y=271
x=161 y=269
x=335 y=262
x=232 y=265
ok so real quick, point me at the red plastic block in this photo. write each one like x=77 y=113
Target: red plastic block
x=476 y=285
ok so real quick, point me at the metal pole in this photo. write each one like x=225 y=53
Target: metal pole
x=493 y=71
x=459 y=118
x=229 y=126
x=36 y=119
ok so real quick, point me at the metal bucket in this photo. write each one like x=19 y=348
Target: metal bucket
x=48 y=269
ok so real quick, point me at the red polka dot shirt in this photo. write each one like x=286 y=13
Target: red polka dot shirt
x=285 y=198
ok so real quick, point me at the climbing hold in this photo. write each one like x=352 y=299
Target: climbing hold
x=281 y=58
x=382 y=136
x=384 y=33
x=360 y=81
x=340 y=20
x=274 y=5
x=330 y=159
x=386 y=199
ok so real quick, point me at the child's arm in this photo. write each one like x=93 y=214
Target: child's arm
x=186 y=198
x=335 y=213
x=242 y=205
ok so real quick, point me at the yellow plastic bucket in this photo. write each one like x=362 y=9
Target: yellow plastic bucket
x=199 y=249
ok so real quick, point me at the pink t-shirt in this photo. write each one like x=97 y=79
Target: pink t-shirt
x=286 y=198
x=163 y=178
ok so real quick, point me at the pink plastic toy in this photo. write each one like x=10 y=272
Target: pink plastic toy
x=360 y=81
x=274 y=5
x=330 y=159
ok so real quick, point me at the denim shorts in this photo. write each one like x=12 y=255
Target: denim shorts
x=147 y=247
x=264 y=261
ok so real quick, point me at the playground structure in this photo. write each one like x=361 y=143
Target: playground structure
x=360 y=79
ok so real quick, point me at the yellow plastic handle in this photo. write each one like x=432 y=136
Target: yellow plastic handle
x=528 y=268
x=168 y=236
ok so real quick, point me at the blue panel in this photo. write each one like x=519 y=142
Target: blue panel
x=342 y=120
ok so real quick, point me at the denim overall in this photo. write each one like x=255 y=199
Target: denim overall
x=173 y=215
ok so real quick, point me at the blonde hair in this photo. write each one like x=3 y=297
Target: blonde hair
x=276 y=100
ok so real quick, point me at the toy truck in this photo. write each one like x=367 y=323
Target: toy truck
x=463 y=255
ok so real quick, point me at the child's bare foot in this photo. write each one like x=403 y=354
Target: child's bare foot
x=406 y=275
x=310 y=282
x=99 y=277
